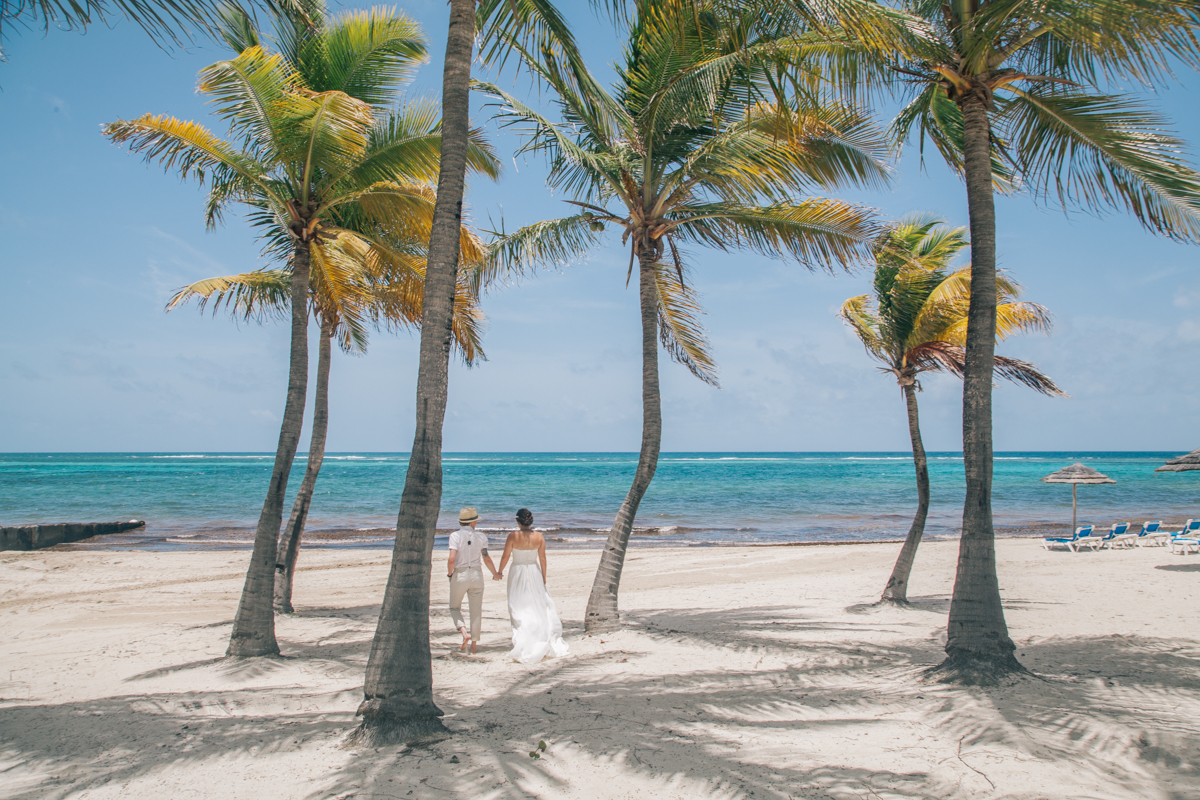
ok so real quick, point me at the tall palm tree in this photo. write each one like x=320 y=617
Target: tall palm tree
x=915 y=321
x=688 y=149
x=391 y=299
x=369 y=55
x=398 y=689
x=315 y=167
x=1012 y=93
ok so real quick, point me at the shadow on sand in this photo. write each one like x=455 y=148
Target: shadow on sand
x=823 y=719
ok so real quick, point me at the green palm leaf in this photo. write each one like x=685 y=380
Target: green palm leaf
x=1101 y=151
x=817 y=232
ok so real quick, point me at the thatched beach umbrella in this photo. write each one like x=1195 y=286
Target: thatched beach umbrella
x=1182 y=464
x=1075 y=475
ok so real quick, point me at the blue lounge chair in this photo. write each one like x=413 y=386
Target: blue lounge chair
x=1149 y=534
x=1108 y=539
x=1070 y=542
x=1188 y=539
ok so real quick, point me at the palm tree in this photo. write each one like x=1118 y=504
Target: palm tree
x=314 y=167
x=915 y=321
x=368 y=55
x=687 y=149
x=1012 y=94
x=393 y=300
x=398 y=690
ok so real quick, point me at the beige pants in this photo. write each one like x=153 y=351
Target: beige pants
x=467 y=581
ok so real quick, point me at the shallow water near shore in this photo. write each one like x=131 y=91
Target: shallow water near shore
x=211 y=500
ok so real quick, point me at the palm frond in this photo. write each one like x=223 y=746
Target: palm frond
x=1101 y=152
x=543 y=135
x=864 y=321
x=323 y=133
x=816 y=232
x=680 y=331
x=937 y=356
x=1094 y=40
x=245 y=92
x=259 y=295
x=192 y=149
x=237 y=29
x=403 y=210
x=368 y=55
x=1011 y=318
x=555 y=242
x=172 y=21
x=938 y=120
x=1026 y=374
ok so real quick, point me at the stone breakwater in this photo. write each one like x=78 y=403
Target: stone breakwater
x=35 y=537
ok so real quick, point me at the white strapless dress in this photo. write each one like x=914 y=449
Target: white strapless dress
x=536 y=628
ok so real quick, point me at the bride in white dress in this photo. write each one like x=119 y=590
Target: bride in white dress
x=536 y=628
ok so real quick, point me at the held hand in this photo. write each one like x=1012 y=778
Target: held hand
x=497 y=576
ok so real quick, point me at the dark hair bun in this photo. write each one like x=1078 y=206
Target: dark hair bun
x=525 y=516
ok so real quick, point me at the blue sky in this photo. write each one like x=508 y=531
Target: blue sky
x=95 y=242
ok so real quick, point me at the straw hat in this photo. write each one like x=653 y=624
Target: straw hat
x=468 y=514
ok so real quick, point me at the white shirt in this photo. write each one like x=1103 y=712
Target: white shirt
x=470 y=545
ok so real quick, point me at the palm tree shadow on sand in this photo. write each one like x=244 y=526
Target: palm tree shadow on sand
x=767 y=703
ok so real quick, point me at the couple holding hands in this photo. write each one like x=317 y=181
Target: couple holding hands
x=536 y=628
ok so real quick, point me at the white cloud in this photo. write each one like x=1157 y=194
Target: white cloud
x=1188 y=331
x=1187 y=297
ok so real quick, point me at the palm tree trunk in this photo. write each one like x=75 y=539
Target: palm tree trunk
x=289 y=546
x=602 y=611
x=978 y=648
x=398 y=692
x=896 y=590
x=254 y=625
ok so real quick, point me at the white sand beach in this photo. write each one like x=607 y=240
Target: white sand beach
x=754 y=672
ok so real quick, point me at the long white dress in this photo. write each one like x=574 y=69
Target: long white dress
x=536 y=628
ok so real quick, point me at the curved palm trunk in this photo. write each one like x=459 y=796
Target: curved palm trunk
x=602 y=611
x=896 y=590
x=978 y=648
x=289 y=542
x=254 y=625
x=398 y=691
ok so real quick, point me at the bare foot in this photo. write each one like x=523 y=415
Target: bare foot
x=466 y=640
x=473 y=646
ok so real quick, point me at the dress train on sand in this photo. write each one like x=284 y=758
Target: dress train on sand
x=536 y=628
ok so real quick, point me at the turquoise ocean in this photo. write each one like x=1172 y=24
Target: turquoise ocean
x=211 y=500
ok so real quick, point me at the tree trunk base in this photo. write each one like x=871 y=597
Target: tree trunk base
x=283 y=598
x=252 y=647
x=898 y=602
x=976 y=669
x=384 y=728
x=602 y=625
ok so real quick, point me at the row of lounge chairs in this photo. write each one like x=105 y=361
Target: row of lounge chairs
x=1186 y=540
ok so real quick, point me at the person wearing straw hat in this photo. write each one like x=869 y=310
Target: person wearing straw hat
x=468 y=552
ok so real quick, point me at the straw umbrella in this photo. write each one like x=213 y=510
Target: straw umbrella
x=1182 y=464
x=1075 y=475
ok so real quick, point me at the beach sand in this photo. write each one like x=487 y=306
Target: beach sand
x=742 y=672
